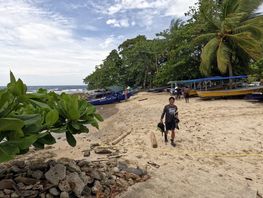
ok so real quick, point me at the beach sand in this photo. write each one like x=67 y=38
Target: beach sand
x=219 y=150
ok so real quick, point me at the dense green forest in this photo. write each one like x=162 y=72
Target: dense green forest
x=220 y=37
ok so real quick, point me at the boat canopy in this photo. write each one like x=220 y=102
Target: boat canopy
x=214 y=78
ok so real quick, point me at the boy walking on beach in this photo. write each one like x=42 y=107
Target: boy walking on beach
x=171 y=119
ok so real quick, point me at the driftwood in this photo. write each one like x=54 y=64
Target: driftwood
x=153 y=140
x=143 y=99
x=116 y=141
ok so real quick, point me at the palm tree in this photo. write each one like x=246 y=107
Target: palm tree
x=237 y=35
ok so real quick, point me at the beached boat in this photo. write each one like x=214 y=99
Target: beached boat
x=229 y=92
x=110 y=99
x=255 y=96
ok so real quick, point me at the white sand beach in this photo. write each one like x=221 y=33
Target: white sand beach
x=219 y=150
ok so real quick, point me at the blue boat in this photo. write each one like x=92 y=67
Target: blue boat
x=255 y=96
x=109 y=99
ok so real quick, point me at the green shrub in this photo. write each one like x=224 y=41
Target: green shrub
x=28 y=119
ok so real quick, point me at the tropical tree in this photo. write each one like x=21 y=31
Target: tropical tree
x=233 y=37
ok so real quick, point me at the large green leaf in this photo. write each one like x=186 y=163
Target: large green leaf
x=98 y=117
x=70 y=139
x=223 y=57
x=11 y=124
x=12 y=77
x=52 y=117
x=208 y=55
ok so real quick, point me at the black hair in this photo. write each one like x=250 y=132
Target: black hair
x=172 y=98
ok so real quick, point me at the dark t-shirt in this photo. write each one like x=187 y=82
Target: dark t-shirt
x=170 y=112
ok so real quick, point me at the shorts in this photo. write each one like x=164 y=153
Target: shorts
x=170 y=126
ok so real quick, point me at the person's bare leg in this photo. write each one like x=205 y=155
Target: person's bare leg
x=172 y=138
x=165 y=136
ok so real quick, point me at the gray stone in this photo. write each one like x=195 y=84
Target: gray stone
x=102 y=151
x=14 y=195
x=97 y=187
x=116 y=170
x=86 y=153
x=82 y=163
x=56 y=173
x=15 y=169
x=26 y=180
x=29 y=193
x=7 y=191
x=54 y=191
x=85 y=178
x=42 y=195
x=19 y=164
x=64 y=186
x=122 y=166
x=2 y=194
x=96 y=175
x=49 y=195
x=76 y=183
x=64 y=195
x=136 y=171
x=6 y=184
x=86 y=191
x=37 y=174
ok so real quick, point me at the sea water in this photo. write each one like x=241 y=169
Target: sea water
x=58 y=88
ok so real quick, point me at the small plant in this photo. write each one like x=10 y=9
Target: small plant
x=28 y=119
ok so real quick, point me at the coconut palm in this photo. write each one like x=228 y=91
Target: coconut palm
x=237 y=35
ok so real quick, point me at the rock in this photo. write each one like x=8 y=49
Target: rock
x=122 y=166
x=116 y=170
x=56 y=173
x=7 y=191
x=86 y=179
x=6 y=184
x=97 y=187
x=29 y=193
x=26 y=180
x=21 y=186
x=82 y=163
x=37 y=174
x=49 y=195
x=19 y=164
x=136 y=171
x=132 y=176
x=29 y=187
x=54 y=191
x=64 y=186
x=146 y=177
x=39 y=187
x=14 y=195
x=2 y=194
x=38 y=165
x=96 y=175
x=64 y=195
x=86 y=191
x=76 y=183
x=103 y=151
x=86 y=153
x=72 y=166
x=42 y=195
x=15 y=169
x=131 y=182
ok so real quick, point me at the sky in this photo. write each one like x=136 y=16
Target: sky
x=59 y=42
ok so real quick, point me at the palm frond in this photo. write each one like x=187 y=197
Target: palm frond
x=204 y=38
x=257 y=21
x=249 y=6
x=256 y=32
x=223 y=57
x=249 y=44
x=208 y=55
x=229 y=7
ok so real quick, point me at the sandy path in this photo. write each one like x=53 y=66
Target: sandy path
x=219 y=149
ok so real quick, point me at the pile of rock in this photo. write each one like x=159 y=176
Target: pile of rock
x=67 y=178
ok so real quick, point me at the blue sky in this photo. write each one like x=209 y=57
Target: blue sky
x=59 y=42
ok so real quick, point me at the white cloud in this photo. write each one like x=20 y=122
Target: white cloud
x=34 y=42
x=118 y=23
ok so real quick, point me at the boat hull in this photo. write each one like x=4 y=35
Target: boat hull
x=228 y=93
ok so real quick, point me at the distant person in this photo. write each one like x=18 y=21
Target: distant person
x=171 y=120
x=186 y=91
x=178 y=93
